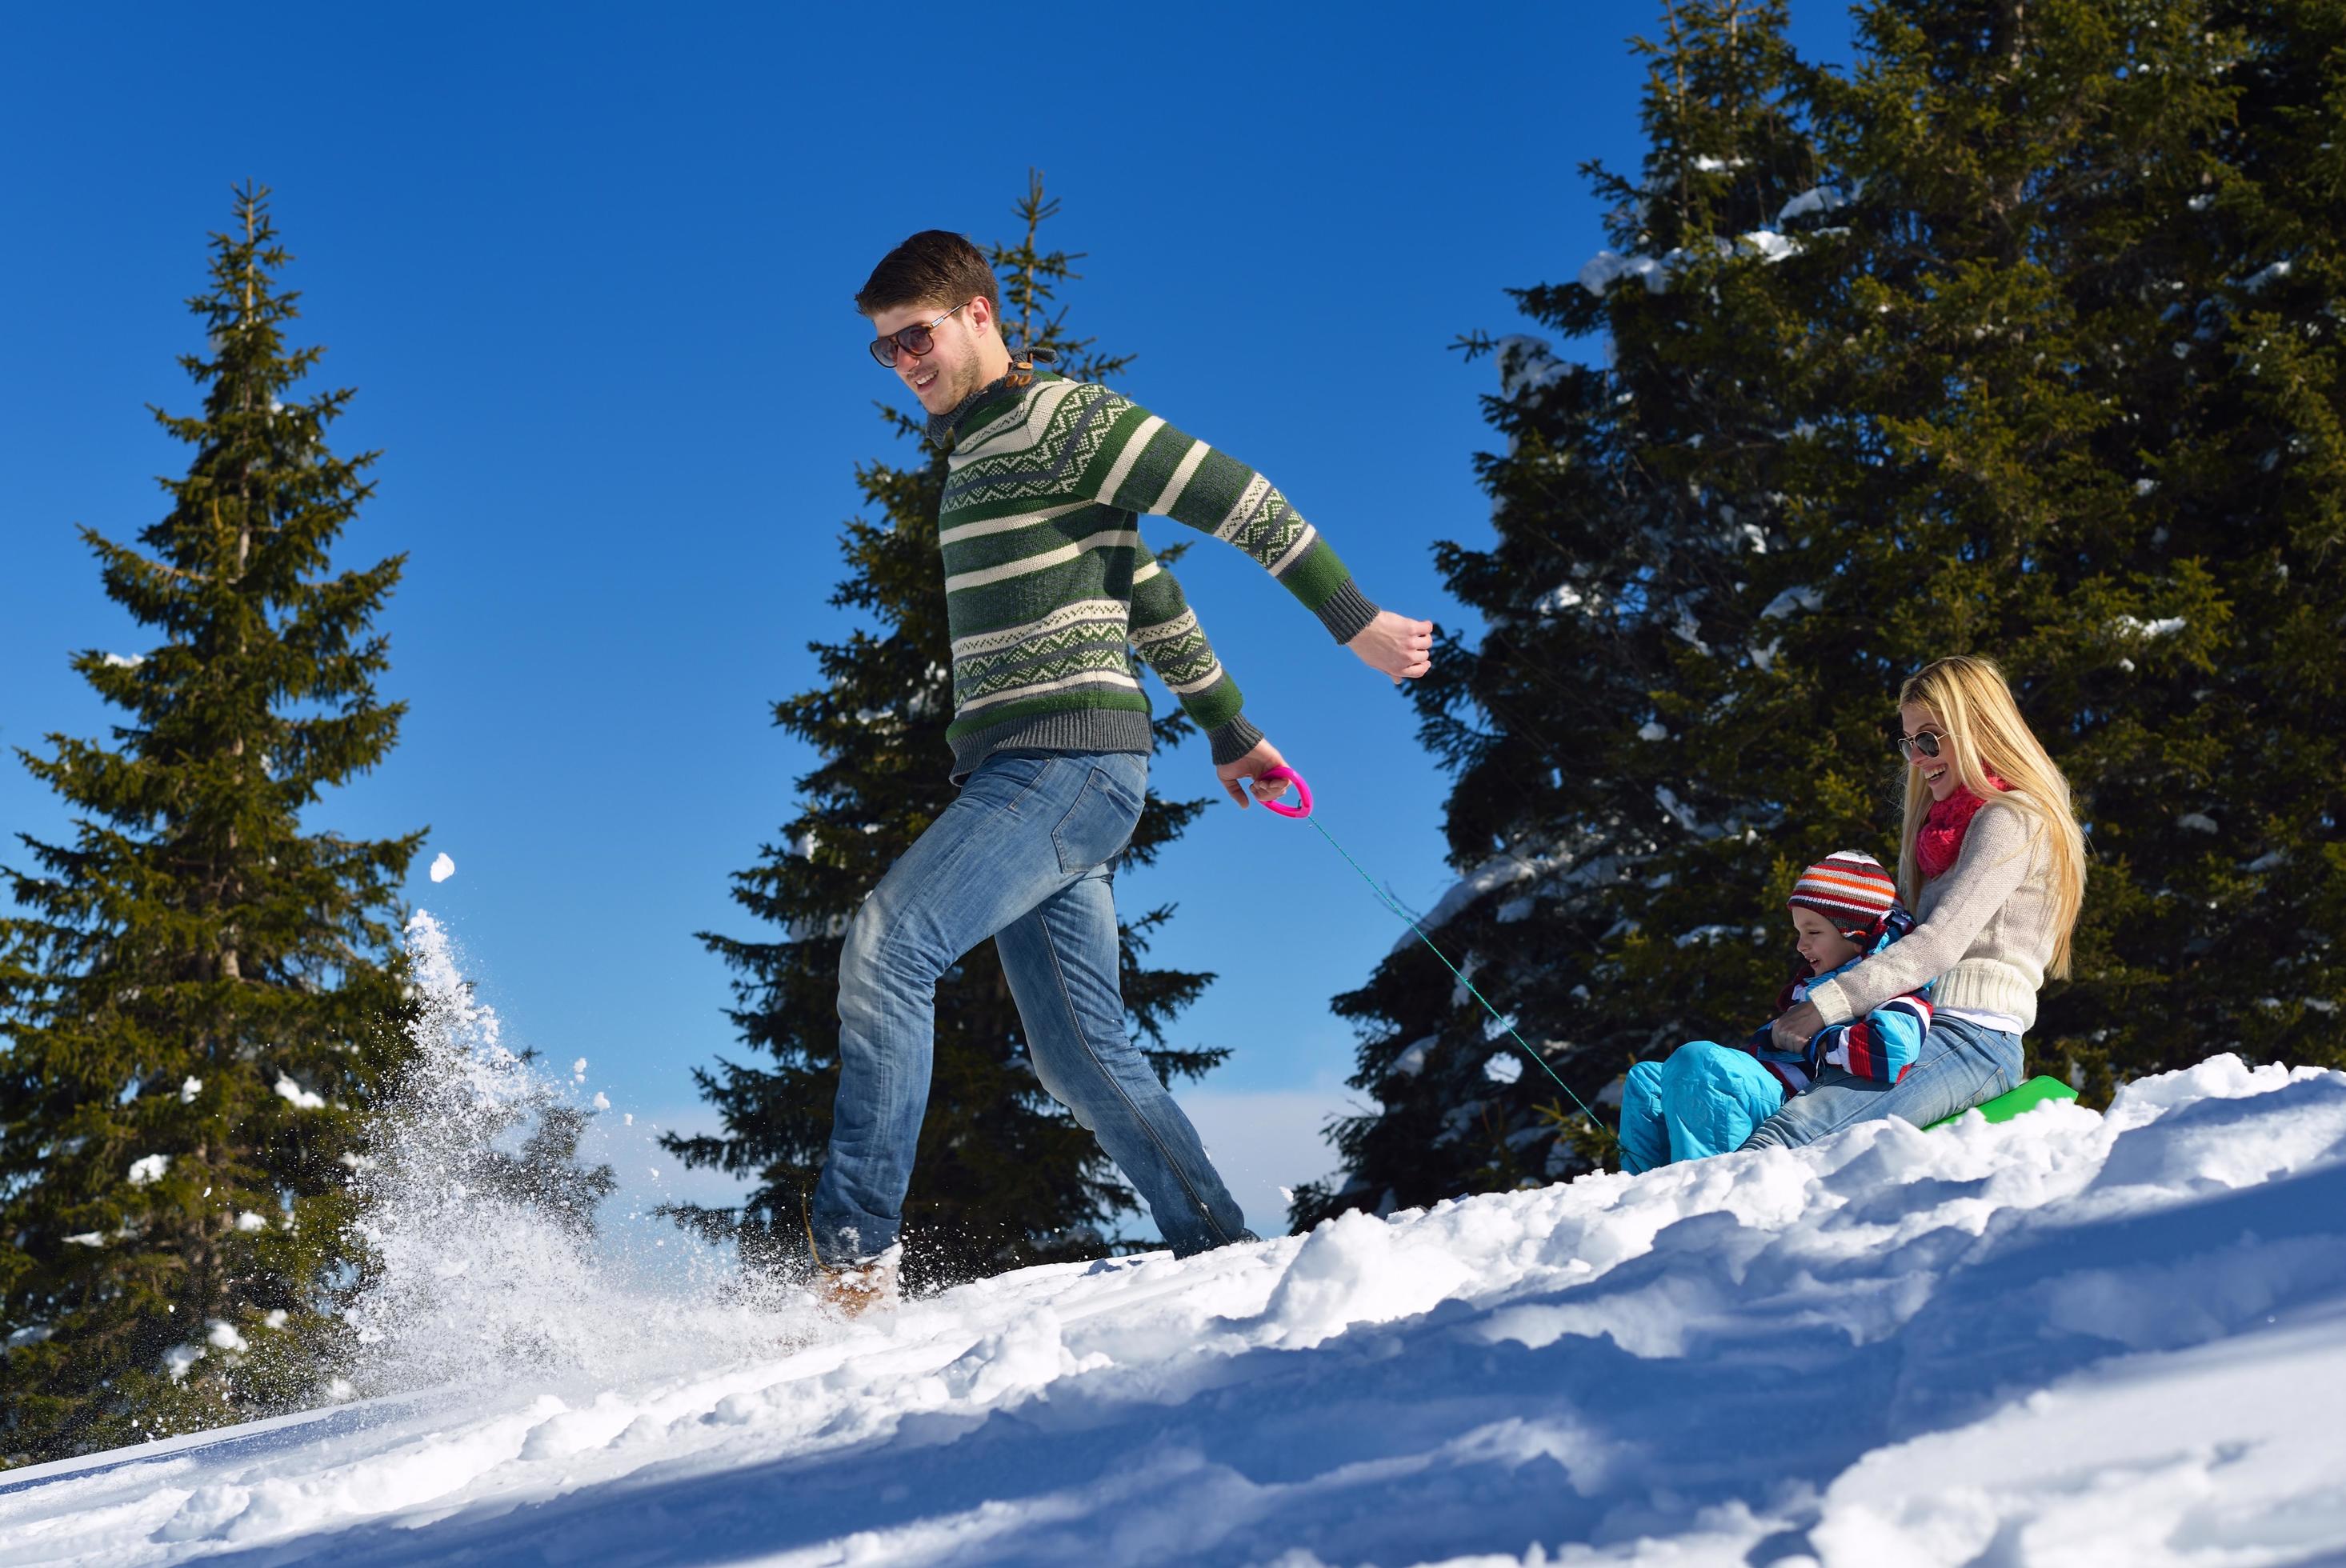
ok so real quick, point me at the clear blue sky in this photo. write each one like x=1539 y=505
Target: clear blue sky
x=589 y=269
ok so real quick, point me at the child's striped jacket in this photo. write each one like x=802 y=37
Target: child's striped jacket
x=1878 y=1047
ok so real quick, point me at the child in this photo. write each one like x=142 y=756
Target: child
x=1708 y=1097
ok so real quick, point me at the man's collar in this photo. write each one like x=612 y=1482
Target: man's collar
x=943 y=427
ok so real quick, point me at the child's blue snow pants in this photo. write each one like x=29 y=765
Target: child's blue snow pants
x=1705 y=1100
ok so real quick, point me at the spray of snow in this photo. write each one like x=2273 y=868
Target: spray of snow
x=473 y=1283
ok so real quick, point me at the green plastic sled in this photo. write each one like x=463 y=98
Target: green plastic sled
x=2027 y=1097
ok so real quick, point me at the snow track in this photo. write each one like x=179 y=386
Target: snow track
x=2071 y=1339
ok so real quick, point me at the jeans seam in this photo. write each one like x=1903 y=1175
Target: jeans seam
x=1058 y=850
x=1029 y=787
x=1059 y=979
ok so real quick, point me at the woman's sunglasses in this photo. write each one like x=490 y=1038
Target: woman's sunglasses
x=914 y=341
x=1914 y=748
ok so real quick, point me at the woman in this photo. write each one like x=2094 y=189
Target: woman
x=1994 y=865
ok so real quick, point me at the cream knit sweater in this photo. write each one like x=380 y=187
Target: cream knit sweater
x=1983 y=931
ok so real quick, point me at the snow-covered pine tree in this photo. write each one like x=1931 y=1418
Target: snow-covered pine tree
x=2241 y=928
x=1004 y=1175
x=201 y=999
x=1631 y=501
x=2072 y=405
x=2055 y=379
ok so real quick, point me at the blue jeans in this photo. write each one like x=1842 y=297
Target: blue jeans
x=1022 y=856
x=1963 y=1065
x=1704 y=1100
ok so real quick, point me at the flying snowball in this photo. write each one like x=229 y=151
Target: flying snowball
x=443 y=868
x=602 y=1102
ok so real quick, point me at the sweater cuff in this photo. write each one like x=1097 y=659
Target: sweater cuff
x=1830 y=1001
x=1233 y=740
x=1346 y=614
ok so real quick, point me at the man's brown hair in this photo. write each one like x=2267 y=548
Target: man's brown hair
x=932 y=268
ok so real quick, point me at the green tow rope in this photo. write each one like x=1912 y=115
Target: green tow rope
x=1304 y=811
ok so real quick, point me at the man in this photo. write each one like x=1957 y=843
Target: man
x=1049 y=586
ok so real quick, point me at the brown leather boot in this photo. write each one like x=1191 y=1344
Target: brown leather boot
x=866 y=1287
x=853 y=1289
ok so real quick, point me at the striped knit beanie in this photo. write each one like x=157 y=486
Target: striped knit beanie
x=1850 y=888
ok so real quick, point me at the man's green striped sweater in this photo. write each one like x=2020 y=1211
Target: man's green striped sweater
x=1046 y=580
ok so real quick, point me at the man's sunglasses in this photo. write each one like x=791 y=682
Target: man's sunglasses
x=914 y=341
x=1914 y=748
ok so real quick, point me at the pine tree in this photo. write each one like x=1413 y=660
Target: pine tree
x=201 y=1002
x=2035 y=360
x=1628 y=500
x=2047 y=382
x=2246 y=926
x=1004 y=1175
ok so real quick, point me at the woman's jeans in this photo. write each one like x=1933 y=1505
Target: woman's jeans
x=1963 y=1065
x=1022 y=856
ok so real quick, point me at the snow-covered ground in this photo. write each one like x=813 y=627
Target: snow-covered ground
x=2074 y=1339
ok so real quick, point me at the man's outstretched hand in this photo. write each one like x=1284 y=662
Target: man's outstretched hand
x=1395 y=645
x=1253 y=766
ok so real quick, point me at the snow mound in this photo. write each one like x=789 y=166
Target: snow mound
x=2070 y=1339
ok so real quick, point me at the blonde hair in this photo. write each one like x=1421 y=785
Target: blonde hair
x=1986 y=734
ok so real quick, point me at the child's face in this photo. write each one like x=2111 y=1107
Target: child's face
x=1824 y=947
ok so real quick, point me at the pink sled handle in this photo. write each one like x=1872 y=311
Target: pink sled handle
x=1301 y=810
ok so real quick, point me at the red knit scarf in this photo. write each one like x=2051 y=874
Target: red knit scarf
x=1941 y=838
